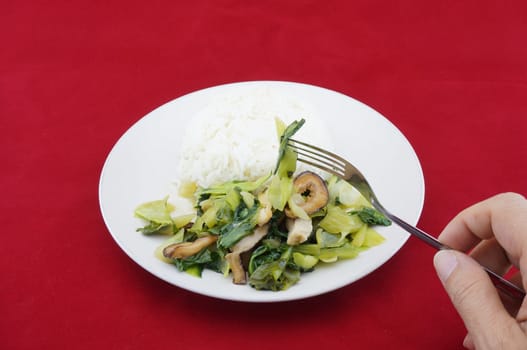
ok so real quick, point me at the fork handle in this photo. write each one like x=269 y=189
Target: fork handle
x=499 y=282
x=422 y=235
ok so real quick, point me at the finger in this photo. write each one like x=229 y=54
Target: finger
x=490 y=254
x=458 y=235
x=469 y=227
x=502 y=216
x=512 y=304
x=523 y=326
x=521 y=316
x=475 y=299
x=468 y=343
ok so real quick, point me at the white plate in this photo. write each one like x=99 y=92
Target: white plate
x=142 y=164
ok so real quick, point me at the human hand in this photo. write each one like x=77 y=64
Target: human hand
x=495 y=233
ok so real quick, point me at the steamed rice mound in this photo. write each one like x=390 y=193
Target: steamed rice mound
x=234 y=137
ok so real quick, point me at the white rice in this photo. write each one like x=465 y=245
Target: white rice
x=234 y=137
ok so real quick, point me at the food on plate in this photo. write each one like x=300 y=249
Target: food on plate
x=310 y=193
x=267 y=231
x=233 y=137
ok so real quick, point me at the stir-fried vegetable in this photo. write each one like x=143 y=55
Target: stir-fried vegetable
x=157 y=214
x=269 y=231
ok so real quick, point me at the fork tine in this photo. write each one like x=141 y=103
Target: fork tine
x=318 y=151
x=331 y=170
x=319 y=158
x=318 y=162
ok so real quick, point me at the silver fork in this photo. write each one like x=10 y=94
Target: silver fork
x=334 y=164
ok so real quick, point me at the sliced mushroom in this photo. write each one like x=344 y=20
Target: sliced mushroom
x=299 y=230
x=238 y=273
x=186 y=249
x=314 y=192
x=248 y=242
x=245 y=244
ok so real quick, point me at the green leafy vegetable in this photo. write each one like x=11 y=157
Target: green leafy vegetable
x=280 y=190
x=372 y=238
x=284 y=139
x=205 y=259
x=338 y=221
x=266 y=253
x=157 y=215
x=372 y=216
x=223 y=189
x=153 y=228
x=304 y=261
x=242 y=225
x=346 y=251
x=275 y=275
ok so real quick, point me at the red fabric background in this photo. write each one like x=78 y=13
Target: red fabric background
x=74 y=75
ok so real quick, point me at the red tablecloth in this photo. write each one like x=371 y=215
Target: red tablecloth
x=75 y=75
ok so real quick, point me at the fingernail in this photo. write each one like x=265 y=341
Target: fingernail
x=445 y=261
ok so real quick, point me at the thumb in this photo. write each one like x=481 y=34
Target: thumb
x=473 y=296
